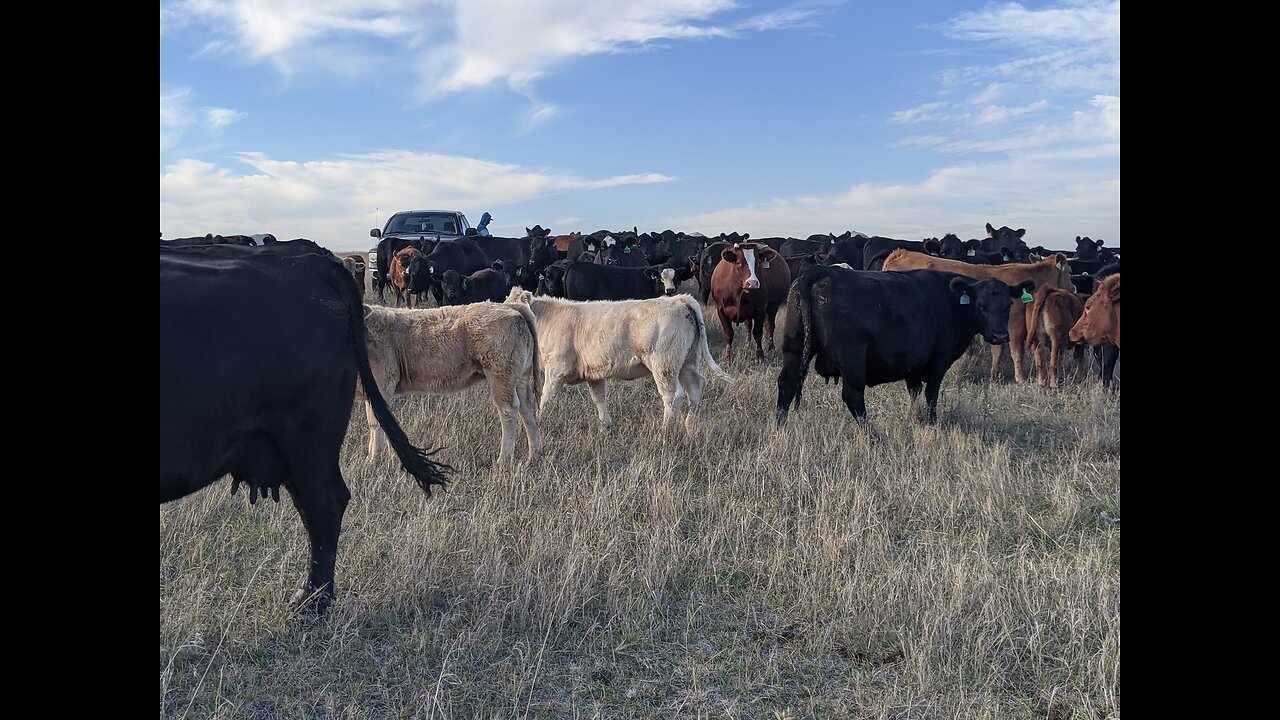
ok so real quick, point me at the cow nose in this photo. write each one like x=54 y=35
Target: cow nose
x=751 y=284
x=670 y=292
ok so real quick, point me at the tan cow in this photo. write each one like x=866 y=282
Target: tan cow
x=1052 y=271
x=1100 y=322
x=441 y=351
x=1049 y=320
x=400 y=274
x=355 y=265
x=600 y=340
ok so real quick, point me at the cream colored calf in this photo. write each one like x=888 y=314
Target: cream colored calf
x=602 y=340
x=440 y=351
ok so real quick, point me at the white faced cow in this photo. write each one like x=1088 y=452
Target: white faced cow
x=440 y=351
x=600 y=340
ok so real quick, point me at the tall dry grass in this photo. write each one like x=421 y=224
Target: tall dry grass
x=965 y=570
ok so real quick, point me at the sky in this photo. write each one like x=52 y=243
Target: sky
x=908 y=119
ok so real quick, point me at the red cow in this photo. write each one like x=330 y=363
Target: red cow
x=1049 y=320
x=1100 y=322
x=748 y=286
x=400 y=274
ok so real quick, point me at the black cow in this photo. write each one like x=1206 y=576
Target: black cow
x=869 y=328
x=513 y=251
x=1087 y=249
x=426 y=271
x=622 y=251
x=481 y=285
x=211 y=239
x=551 y=279
x=797 y=264
x=266 y=396
x=849 y=251
x=387 y=249
x=1005 y=240
x=512 y=274
x=792 y=247
x=876 y=248
x=952 y=247
x=592 y=281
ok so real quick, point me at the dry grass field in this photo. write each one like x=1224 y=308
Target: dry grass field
x=965 y=570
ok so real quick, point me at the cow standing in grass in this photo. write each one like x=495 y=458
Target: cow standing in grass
x=594 y=342
x=748 y=285
x=441 y=351
x=869 y=328
x=1049 y=320
x=266 y=396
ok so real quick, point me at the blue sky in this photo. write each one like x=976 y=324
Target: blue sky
x=909 y=119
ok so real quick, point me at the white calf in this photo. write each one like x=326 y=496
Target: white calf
x=445 y=350
x=603 y=340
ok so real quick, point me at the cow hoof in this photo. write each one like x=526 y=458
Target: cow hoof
x=306 y=602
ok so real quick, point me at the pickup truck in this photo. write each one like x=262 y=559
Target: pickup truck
x=435 y=225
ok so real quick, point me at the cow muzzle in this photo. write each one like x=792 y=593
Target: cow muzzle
x=998 y=338
x=751 y=285
x=670 y=291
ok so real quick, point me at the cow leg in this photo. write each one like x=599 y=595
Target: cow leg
x=552 y=380
x=321 y=499
x=1078 y=376
x=853 y=371
x=1055 y=358
x=1037 y=356
x=913 y=389
x=504 y=401
x=529 y=418
x=1110 y=354
x=790 y=384
x=1017 y=350
x=668 y=382
x=694 y=383
x=997 y=352
x=757 y=334
x=768 y=328
x=599 y=393
x=931 y=390
x=727 y=326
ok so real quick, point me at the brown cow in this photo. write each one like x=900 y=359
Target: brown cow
x=1053 y=271
x=748 y=286
x=355 y=265
x=1049 y=319
x=400 y=274
x=1100 y=322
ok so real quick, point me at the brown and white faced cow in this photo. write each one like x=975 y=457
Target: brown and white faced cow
x=1100 y=323
x=748 y=285
x=400 y=263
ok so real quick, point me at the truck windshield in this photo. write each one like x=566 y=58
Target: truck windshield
x=423 y=223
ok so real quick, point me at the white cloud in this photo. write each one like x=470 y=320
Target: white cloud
x=217 y=118
x=175 y=116
x=1083 y=22
x=1054 y=196
x=458 y=44
x=986 y=95
x=919 y=113
x=331 y=201
x=1099 y=125
x=1000 y=113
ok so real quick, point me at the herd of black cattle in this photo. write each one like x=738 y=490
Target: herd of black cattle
x=266 y=396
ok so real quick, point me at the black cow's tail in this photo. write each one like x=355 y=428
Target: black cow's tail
x=416 y=462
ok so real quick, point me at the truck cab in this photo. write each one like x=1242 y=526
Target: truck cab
x=434 y=225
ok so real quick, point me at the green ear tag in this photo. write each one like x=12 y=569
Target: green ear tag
x=1027 y=297
x=1005 y=258
x=626 y=249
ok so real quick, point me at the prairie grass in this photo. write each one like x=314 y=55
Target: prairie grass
x=965 y=570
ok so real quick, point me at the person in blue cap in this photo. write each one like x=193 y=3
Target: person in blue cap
x=483 y=227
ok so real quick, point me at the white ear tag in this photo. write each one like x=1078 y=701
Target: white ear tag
x=765 y=265
x=964 y=298
x=1059 y=265
x=971 y=253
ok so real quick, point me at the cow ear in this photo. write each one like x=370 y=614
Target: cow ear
x=1026 y=286
x=972 y=244
x=496 y=265
x=1021 y=231
x=1113 y=293
x=932 y=246
x=991 y=232
x=962 y=288
x=767 y=253
x=1098 y=242
x=745 y=236
x=728 y=255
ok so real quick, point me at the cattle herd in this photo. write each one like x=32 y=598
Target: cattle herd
x=265 y=345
